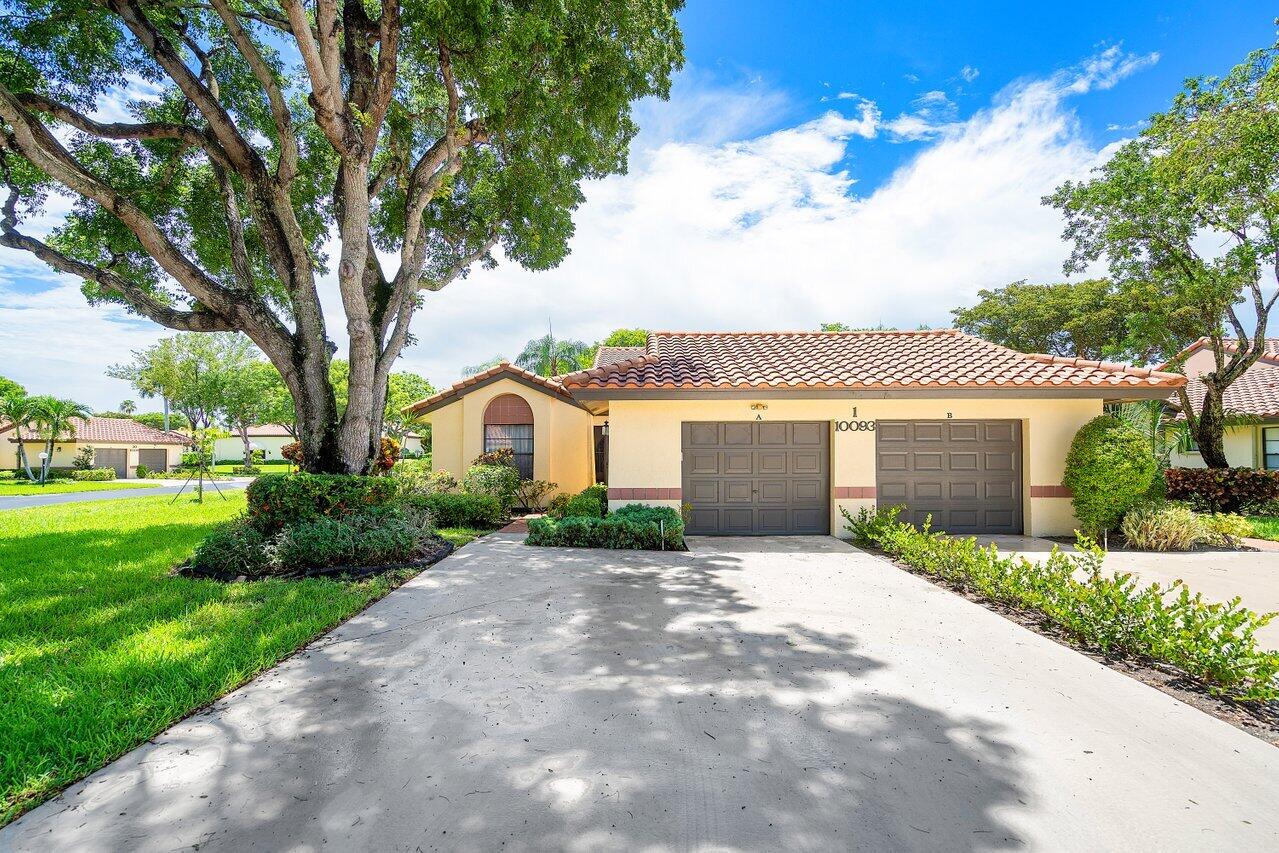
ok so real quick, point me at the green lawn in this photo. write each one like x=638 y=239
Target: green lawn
x=100 y=649
x=57 y=487
x=1265 y=526
x=459 y=536
x=267 y=467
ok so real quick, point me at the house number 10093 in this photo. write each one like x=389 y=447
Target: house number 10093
x=854 y=426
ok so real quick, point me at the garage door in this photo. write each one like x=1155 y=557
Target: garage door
x=155 y=460
x=757 y=477
x=115 y=457
x=966 y=474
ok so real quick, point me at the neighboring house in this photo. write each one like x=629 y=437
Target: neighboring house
x=271 y=437
x=117 y=443
x=266 y=437
x=1255 y=393
x=754 y=433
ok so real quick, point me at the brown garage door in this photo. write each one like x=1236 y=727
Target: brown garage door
x=113 y=457
x=966 y=474
x=155 y=460
x=757 y=478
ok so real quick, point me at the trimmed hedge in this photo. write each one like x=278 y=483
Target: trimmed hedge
x=94 y=475
x=1215 y=643
x=459 y=509
x=278 y=500
x=1110 y=468
x=1223 y=489
x=8 y=475
x=634 y=526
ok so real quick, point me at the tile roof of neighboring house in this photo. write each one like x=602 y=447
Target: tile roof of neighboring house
x=1270 y=351
x=504 y=370
x=270 y=431
x=612 y=355
x=113 y=431
x=944 y=358
x=1254 y=393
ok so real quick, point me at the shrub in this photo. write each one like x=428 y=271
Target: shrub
x=246 y=470
x=8 y=475
x=1109 y=469
x=460 y=509
x=1224 y=529
x=1223 y=489
x=372 y=537
x=500 y=456
x=1155 y=526
x=415 y=477
x=292 y=452
x=277 y=500
x=258 y=456
x=599 y=492
x=500 y=481
x=1215 y=643
x=96 y=475
x=869 y=524
x=83 y=460
x=558 y=505
x=531 y=493
x=388 y=453
x=584 y=505
x=141 y=472
x=237 y=548
x=634 y=526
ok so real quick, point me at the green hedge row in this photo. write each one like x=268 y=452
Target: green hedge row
x=1215 y=643
x=460 y=509
x=634 y=526
x=94 y=475
x=278 y=500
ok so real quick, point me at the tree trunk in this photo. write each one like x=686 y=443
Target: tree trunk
x=248 y=447
x=317 y=414
x=1209 y=431
x=22 y=453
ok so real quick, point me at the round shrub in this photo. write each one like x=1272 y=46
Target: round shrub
x=583 y=505
x=499 y=481
x=1109 y=468
x=233 y=549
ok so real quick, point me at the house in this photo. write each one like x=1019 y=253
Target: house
x=118 y=443
x=777 y=432
x=269 y=438
x=1256 y=393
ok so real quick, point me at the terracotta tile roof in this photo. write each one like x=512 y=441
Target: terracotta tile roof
x=551 y=386
x=113 y=431
x=1254 y=393
x=944 y=358
x=612 y=355
x=1270 y=351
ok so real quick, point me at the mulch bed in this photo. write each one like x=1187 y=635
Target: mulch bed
x=1259 y=719
x=429 y=554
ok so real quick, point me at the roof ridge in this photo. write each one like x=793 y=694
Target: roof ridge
x=808 y=332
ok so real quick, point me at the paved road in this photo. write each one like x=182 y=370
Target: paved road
x=753 y=694
x=167 y=487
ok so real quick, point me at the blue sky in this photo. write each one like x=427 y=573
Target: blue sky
x=838 y=161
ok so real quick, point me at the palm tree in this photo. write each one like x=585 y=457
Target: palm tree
x=128 y=407
x=54 y=417
x=547 y=356
x=19 y=410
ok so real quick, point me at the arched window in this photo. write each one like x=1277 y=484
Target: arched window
x=508 y=422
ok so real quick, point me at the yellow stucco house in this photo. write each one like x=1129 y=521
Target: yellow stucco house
x=775 y=433
x=1255 y=393
x=118 y=443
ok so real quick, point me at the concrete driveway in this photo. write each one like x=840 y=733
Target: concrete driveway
x=1253 y=576
x=752 y=694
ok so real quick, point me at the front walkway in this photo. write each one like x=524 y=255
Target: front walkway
x=1253 y=576
x=753 y=694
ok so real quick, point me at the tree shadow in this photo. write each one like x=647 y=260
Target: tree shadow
x=565 y=699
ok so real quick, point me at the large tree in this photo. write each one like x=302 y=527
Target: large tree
x=425 y=132
x=1083 y=318
x=192 y=371
x=1187 y=218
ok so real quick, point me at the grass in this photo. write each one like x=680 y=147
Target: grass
x=270 y=467
x=1265 y=526
x=459 y=536
x=12 y=488
x=101 y=649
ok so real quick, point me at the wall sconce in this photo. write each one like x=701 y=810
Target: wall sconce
x=758 y=407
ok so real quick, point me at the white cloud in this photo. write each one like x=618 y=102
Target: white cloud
x=718 y=225
x=933 y=114
x=969 y=73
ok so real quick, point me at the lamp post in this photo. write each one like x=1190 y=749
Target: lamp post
x=44 y=468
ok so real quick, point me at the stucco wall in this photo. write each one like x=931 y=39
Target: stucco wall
x=561 y=435
x=64 y=453
x=1243 y=450
x=233 y=447
x=644 y=443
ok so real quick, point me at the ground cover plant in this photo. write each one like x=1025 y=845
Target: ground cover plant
x=634 y=526
x=101 y=648
x=1223 y=489
x=1108 y=613
x=1265 y=526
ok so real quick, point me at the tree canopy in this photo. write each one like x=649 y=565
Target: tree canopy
x=1186 y=216
x=9 y=388
x=195 y=372
x=1084 y=318
x=257 y=133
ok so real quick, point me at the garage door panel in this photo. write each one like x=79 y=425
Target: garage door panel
x=976 y=488
x=112 y=457
x=767 y=477
x=155 y=460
